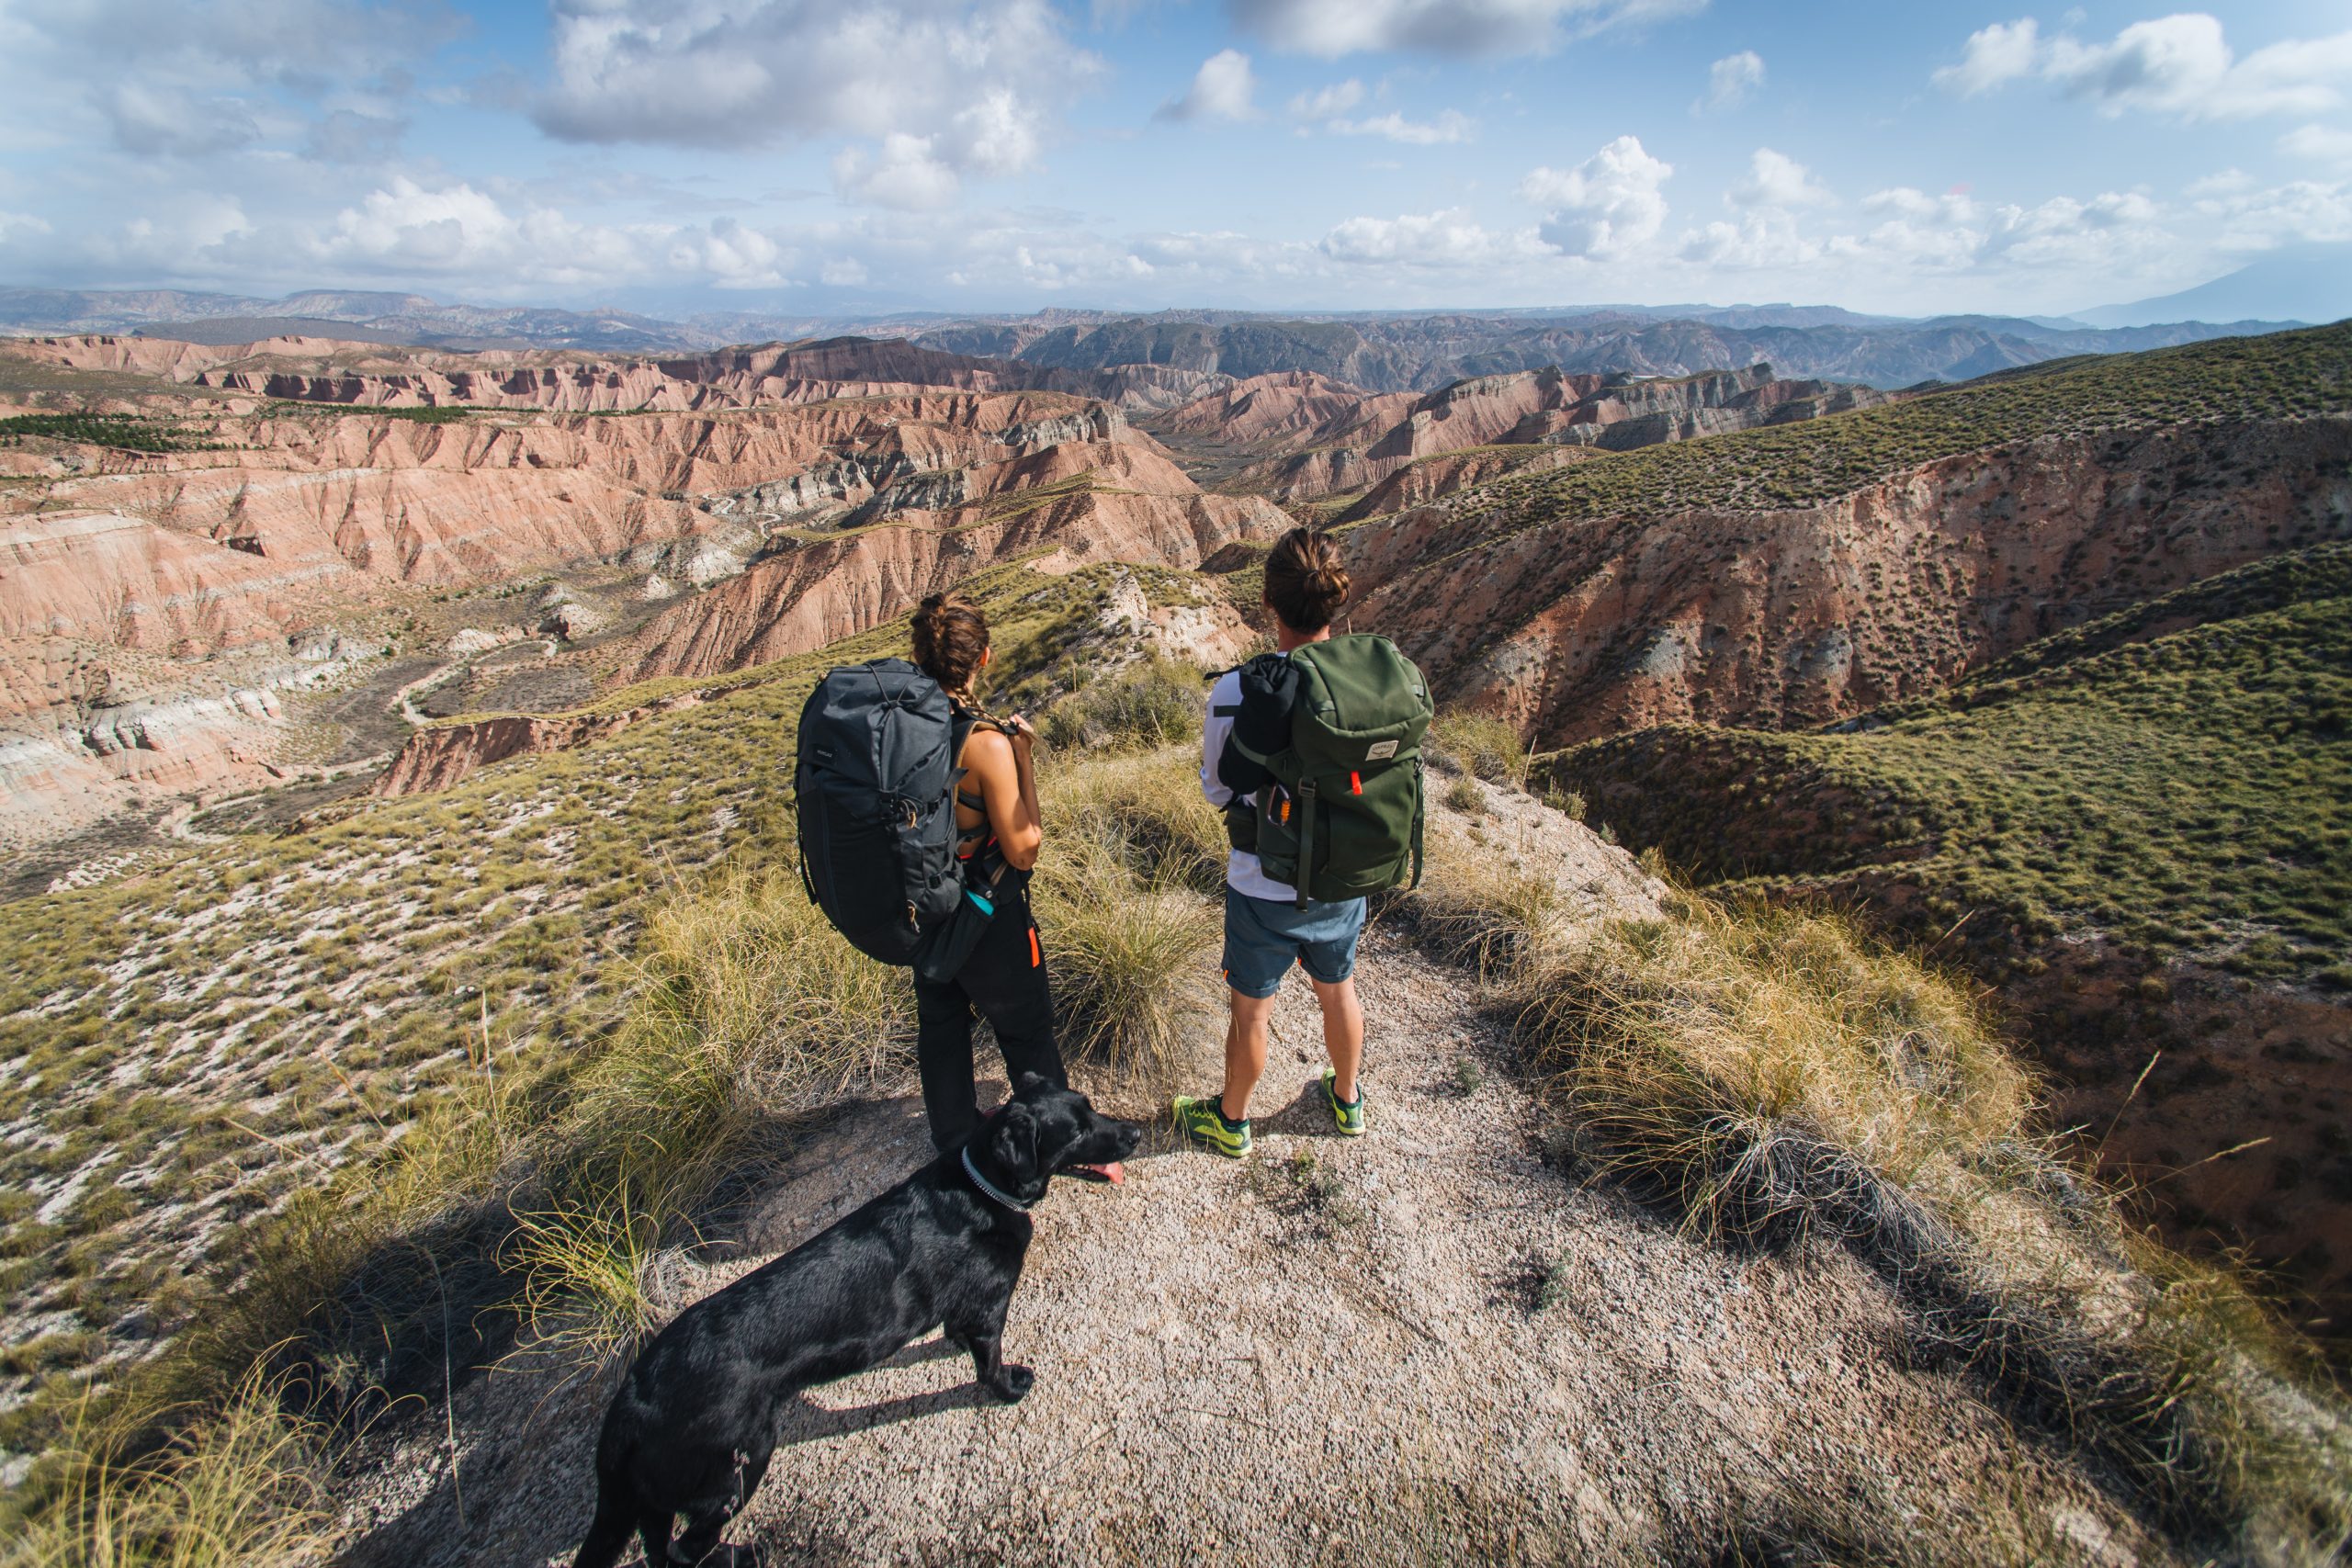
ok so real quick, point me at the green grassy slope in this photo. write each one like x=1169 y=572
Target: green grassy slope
x=2281 y=376
x=184 y=1051
x=2173 y=777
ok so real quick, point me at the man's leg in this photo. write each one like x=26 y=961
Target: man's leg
x=1342 y=1034
x=1245 y=1051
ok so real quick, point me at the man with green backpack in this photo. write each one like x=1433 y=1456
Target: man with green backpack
x=1314 y=754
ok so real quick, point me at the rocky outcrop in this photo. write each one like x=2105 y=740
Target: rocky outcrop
x=814 y=594
x=1431 y=479
x=109 y=578
x=1296 y=410
x=1587 y=627
x=924 y=465
x=441 y=755
x=94 y=737
x=1550 y=407
x=318 y=370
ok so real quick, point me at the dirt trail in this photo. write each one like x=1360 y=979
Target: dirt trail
x=1430 y=1344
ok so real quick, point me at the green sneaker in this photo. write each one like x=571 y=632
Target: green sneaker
x=1203 y=1120
x=1349 y=1114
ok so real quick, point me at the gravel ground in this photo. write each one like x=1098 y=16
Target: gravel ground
x=1430 y=1344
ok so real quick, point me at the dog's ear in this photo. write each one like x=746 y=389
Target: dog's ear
x=1013 y=1147
x=1029 y=1082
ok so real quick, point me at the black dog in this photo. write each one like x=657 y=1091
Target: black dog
x=691 y=1430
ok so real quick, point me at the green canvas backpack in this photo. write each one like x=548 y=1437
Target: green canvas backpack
x=1343 y=816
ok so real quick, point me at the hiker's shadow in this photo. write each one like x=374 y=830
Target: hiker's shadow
x=1308 y=1115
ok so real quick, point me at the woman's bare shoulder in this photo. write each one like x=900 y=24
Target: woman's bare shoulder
x=986 y=748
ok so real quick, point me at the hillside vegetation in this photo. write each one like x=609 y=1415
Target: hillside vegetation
x=184 y=1051
x=2172 y=778
x=1770 y=1084
x=2281 y=376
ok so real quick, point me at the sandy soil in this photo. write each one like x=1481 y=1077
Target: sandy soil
x=1445 y=1340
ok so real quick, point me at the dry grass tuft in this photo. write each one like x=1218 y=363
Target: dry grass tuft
x=1480 y=745
x=1772 y=1075
x=1132 y=960
x=749 y=1010
x=1686 y=1044
x=1149 y=811
x=245 y=1485
x=1153 y=702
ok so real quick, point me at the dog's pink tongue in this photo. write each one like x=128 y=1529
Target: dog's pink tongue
x=1114 y=1173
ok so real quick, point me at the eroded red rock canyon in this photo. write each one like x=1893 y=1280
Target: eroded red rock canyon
x=338 y=542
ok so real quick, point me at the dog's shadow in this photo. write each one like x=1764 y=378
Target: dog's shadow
x=803 y=1420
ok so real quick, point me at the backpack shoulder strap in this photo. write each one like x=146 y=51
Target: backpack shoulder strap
x=962 y=722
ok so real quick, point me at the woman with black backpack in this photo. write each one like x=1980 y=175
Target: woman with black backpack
x=998 y=834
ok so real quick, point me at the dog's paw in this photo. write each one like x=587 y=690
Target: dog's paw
x=1012 y=1383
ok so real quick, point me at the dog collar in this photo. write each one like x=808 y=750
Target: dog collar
x=991 y=1188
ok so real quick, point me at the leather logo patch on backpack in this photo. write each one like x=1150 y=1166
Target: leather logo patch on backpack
x=1380 y=752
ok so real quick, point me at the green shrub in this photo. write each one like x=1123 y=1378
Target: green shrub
x=1481 y=744
x=1153 y=702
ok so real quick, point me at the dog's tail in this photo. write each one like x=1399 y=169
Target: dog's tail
x=616 y=1517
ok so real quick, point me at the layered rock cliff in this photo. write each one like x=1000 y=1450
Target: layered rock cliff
x=814 y=592
x=1315 y=442
x=1583 y=628
x=321 y=370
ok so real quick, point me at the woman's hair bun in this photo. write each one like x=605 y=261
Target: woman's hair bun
x=951 y=636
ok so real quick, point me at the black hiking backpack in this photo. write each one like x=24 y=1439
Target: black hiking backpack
x=877 y=784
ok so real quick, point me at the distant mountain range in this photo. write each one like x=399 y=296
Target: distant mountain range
x=355 y=315
x=1380 y=352
x=2313 y=283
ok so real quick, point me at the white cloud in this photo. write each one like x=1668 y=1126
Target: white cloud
x=404 y=233
x=200 y=78
x=348 y=135
x=1223 y=88
x=1996 y=54
x=1434 y=238
x=904 y=175
x=2180 y=65
x=1448 y=126
x=1764 y=238
x=1328 y=102
x=733 y=256
x=947 y=88
x=2115 y=234
x=1917 y=205
x=149 y=119
x=2262 y=220
x=1480 y=28
x=2220 y=184
x=1775 y=179
x=844 y=272
x=2318 y=144
x=1607 y=206
x=1731 y=82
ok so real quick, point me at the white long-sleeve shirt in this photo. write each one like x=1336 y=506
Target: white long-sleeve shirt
x=1242 y=871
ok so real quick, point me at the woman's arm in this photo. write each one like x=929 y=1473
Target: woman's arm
x=1008 y=784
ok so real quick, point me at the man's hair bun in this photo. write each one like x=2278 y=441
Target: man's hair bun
x=1306 y=581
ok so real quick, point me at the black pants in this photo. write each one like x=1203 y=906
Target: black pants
x=1005 y=980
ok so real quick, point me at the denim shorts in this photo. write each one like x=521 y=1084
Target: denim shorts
x=1263 y=937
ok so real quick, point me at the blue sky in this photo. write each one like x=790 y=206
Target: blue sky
x=1009 y=154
